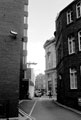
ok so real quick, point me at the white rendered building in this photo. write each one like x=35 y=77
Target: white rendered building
x=50 y=68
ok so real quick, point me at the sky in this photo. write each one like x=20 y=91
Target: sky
x=41 y=26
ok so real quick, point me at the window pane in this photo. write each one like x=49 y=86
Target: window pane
x=25 y=20
x=78 y=10
x=72 y=15
x=24 y=60
x=25 y=74
x=25 y=32
x=73 y=44
x=25 y=8
x=79 y=39
x=70 y=47
x=73 y=79
x=24 y=45
x=80 y=70
x=69 y=16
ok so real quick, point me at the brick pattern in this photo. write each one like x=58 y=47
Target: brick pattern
x=11 y=18
x=67 y=61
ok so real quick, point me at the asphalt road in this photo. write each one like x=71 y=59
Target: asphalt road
x=45 y=109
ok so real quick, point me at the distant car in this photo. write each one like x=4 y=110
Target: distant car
x=38 y=94
x=48 y=93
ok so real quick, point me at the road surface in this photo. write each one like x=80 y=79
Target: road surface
x=46 y=109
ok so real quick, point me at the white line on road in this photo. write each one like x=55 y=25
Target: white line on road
x=26 y=115
x=32 y=108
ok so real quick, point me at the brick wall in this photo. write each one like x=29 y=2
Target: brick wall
x=68 y=61
x=11 y=18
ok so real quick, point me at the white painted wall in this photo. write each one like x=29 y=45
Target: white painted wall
x=31 y=88
x=31 y=91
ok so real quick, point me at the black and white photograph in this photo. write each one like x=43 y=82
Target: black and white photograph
x=40 y=59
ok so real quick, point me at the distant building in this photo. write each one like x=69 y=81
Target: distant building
x=40 y=82
x=50 y=59
x=13 y=36
x=68 y=54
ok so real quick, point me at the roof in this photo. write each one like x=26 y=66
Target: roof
x=74 y=1
x=48 y=42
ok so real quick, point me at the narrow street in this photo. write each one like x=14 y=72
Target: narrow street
x=47 y=109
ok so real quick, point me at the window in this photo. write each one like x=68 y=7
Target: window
x=25 y=8
x=73 y=79
x=25 y=74
x=60 y=52
x=25 y=32
x=79 y=39
x=49 y=58
x=78 y=10
x=24 y=46
x=25 y=19
x=80 y=70
x=69 y=17
x=24 y=60
x=71 y=44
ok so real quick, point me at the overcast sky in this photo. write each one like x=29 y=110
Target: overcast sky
x=41 y=26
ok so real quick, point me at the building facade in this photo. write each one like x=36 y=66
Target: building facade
x=31 y=82
x=50 y=60
x=23 y=64
x=68 y=54
x=13 y=36
x=40 y=82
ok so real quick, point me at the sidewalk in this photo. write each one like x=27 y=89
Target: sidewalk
x=66 y=107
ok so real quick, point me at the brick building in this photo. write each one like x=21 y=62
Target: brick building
x=13 y=36
x=50 y=69
x=68 y=54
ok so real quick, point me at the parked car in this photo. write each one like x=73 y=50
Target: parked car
x=48 y=93
x=38 y=94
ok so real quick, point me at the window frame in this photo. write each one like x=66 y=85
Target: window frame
x=79 y=40
x=25 y=19
x=73 y=78
x=24 y=59
x=69 y=16
x=78 y=9
x=25 y=32
x=25 y=74
x=71 y=44
x=25 y=7
x=49 y=58
x=24 y=46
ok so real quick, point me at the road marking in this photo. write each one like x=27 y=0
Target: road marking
x=23 y=101
x=33 y=108
x=25 y=115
